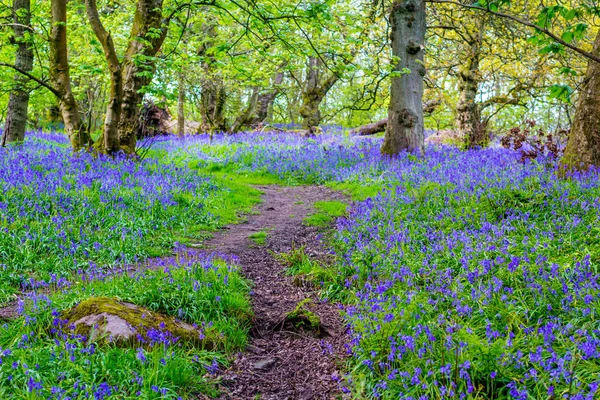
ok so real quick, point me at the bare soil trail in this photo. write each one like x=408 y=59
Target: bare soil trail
x=282 y=363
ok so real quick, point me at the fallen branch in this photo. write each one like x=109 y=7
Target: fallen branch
x=370 y=129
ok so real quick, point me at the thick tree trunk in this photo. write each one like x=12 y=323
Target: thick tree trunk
x=180 y=104
x=468 y=111
x=259 y=106
x=247 y=116
x=313 y=94
x=16 y=118
x=147 y=36
x=266 y=100
x=109 y=142
x=583 y=147
x=59 y=72
x=405 y=115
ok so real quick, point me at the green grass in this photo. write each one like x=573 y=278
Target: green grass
x=326 y=212
x=210 y=293
x=260 y=238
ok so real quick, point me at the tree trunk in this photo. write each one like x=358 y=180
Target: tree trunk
x=147 y=36
x=16 y=118
x=405 y=114
x=109 y=142
x=247 y=116
x=266 y=100
x=59 y=72
x=468 y=111
x=583 y=147
x=259 y=106
x=180 y=104
x=311 y=97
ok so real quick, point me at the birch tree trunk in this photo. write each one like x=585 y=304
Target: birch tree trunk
x=583 y=147
x=405 y=114
x=16 y=118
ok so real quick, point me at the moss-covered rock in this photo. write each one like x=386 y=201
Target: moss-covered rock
x=108 y=320
x=304 y=319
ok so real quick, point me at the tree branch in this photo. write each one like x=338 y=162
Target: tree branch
x=545 y=31
x=33 y=78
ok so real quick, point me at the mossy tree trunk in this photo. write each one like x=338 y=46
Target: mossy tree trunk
x=314 y=91
x=405 y=114
x=583 y=147
x=16 y=117
x=109 y=142
x=468 y=111
x=147 y=36
x=259 y=105
x=213 y=93
x=59 y=73
x=180 y=106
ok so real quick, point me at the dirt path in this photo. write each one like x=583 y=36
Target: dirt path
x=280 y=363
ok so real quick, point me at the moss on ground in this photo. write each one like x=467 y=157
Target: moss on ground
x=142 y=320
x=304 y=319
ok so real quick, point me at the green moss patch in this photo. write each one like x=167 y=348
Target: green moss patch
x=108 y=320
x=303 y=319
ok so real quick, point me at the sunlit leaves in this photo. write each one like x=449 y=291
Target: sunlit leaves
x=561 y=93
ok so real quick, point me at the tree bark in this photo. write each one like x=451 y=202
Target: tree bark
x=213 y=94
x=468 y=111
x=259 y=106
x=583 y=147
x=147 y=36
x=313 y=94
x=109 y=143
x=59 y=72
x=180 y=104
x=16 y=118
x=405 y=114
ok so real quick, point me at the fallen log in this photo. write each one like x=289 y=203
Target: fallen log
x=380 y=126
x=370 y=129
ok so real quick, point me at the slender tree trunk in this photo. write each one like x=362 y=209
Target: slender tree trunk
x=405 y=115
x=16 y=118
x=180 y=104
x=147 y=36
x=468 y=111
x=59 y=72
x=109 y=143
x=583 y=147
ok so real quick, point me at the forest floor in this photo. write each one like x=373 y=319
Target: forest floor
x=282 y=361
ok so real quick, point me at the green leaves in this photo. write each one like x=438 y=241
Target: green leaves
x=561 y=93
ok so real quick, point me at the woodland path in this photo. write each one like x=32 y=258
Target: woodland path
x=280 y=363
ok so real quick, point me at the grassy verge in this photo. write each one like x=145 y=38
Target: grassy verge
x=41 y=357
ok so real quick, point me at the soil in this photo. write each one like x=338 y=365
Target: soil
x=281 y=362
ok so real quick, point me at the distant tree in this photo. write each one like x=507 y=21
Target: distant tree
x=16 y=118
